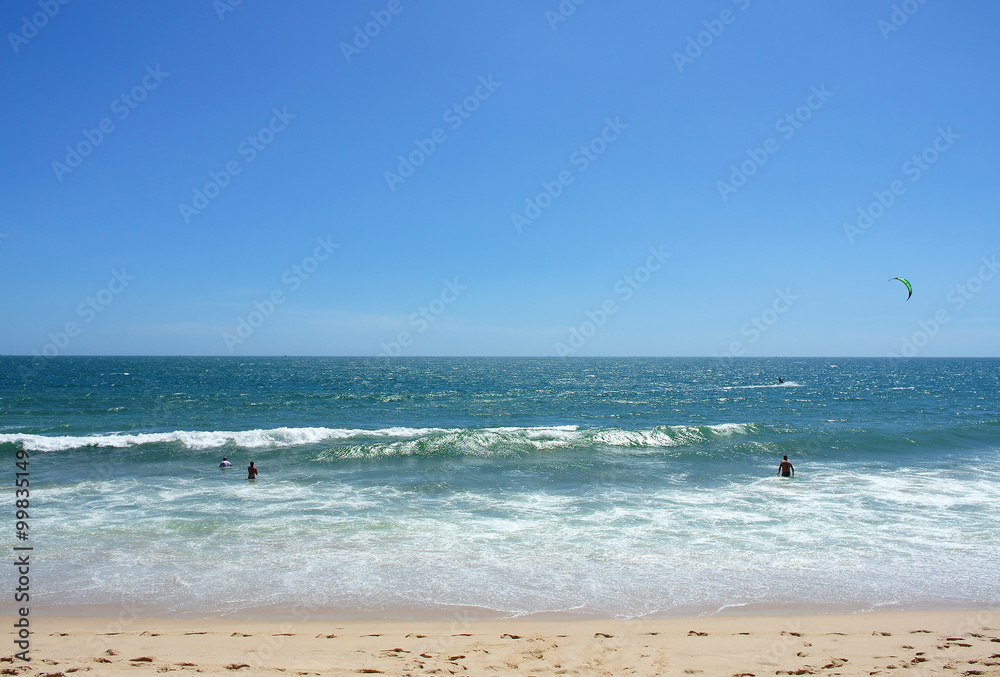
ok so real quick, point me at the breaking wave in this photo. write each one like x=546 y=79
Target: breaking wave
x=346 y=442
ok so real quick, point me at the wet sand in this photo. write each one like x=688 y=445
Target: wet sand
x=881 y=643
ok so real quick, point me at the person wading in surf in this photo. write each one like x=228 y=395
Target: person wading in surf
x=785 y=468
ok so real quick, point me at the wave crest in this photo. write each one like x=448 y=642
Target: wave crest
x=400 y=441
x=212 y=439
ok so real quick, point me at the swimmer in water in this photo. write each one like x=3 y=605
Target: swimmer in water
x=785 y=468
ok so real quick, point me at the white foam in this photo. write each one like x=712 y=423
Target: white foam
x=668 y=436
x=404 y=440
x=563 y=431
x=786 y=384
x=470 y=441
x=731 y=428
x=249 y=439
x=637 y=438
x=525 y=549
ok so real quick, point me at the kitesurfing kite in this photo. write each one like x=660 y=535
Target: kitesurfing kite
x=909 y=289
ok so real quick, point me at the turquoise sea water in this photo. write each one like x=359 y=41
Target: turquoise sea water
x=618 y=487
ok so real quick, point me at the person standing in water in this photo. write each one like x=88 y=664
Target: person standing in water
x=252 y=471
x=225 y=463
x=785 y=468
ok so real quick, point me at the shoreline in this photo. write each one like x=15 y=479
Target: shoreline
x=446 y=613
x=966 y=642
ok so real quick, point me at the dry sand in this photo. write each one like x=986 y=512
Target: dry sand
x=884 y=643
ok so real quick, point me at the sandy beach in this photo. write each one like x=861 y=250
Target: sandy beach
x=903 y=642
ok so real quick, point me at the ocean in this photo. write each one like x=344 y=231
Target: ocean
x=495 y=487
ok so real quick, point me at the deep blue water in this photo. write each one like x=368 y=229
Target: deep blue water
x=614 y=486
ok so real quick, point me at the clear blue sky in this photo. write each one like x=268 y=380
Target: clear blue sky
x=312 y=115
